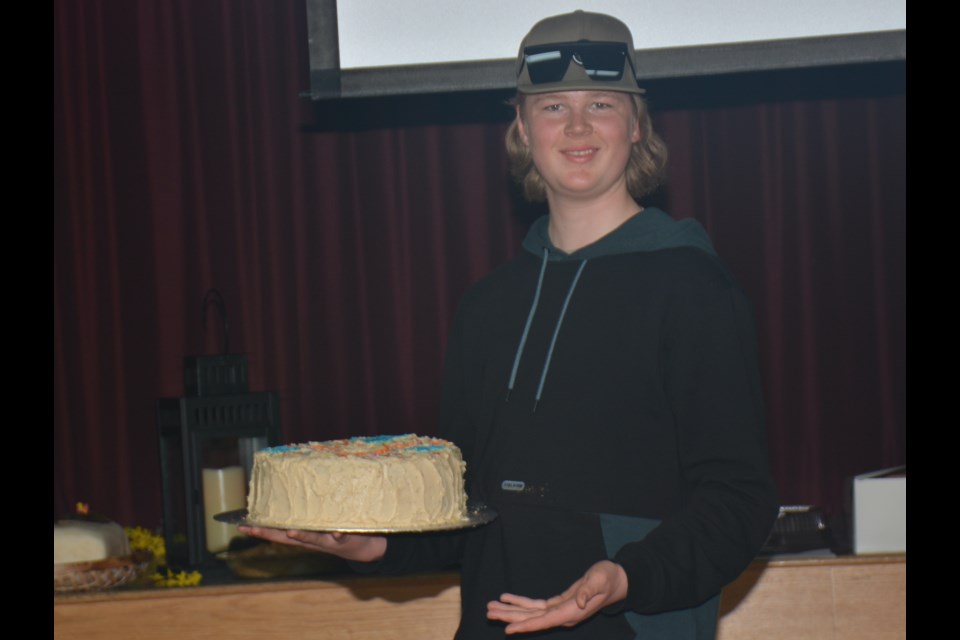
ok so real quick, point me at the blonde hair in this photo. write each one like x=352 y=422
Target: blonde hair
x=645 y=170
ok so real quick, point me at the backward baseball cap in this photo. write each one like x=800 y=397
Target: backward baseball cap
x=571 y=28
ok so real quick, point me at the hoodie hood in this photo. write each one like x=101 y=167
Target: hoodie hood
x=650 y=230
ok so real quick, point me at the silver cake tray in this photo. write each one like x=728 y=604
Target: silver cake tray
x=477 y=514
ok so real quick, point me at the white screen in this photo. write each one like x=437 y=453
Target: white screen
x=377 y=33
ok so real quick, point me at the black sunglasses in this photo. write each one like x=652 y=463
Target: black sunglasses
x=602 y=61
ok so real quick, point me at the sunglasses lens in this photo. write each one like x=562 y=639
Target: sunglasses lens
x=547 y=66
x=601 y=61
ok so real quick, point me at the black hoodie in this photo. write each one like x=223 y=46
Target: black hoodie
x=608 y=405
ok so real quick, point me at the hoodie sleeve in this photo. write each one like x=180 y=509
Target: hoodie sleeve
x=711 y=382
x=417 y=553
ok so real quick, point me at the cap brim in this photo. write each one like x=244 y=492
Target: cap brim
x=586 y=85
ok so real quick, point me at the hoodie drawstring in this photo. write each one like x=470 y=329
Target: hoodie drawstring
x=526 y=327
x=556 y=329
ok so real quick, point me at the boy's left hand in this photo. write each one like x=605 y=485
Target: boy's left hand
x=604 y=584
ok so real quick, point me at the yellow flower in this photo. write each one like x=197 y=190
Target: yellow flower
x=182 y=579
x=141 y=538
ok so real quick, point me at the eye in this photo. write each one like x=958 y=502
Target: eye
x=600 y=106
x=553 y=107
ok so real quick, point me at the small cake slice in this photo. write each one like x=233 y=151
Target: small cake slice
x=84 y=541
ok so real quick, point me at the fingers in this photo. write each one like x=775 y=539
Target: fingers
x=514 y=609
x=362 y=548
x=304 y=539
x=509 y=614
x=323 y=541
x=603 y=584
x=524 y=614
x=566 y=614
x=273 y=535
x=521 y=601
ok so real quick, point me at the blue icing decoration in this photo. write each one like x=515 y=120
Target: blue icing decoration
x=283 y=448
x=426 y=447
x=377 y=438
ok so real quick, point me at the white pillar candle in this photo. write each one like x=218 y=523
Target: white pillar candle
x=223 y=490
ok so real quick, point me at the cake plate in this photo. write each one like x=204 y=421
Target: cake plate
x=477 y=514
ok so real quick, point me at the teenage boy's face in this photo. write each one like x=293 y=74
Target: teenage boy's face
x=580 y=140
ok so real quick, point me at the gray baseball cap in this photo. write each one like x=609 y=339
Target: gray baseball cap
x=599 y=46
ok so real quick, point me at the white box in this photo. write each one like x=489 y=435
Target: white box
x=880 y=511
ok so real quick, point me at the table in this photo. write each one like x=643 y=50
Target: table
x=849 y=598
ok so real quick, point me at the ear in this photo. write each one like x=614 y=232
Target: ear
x=636 y=135
x=522 y=128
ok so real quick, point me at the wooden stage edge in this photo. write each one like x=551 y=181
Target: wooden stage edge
x=848 y=598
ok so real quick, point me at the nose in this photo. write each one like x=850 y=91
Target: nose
x=578 y=123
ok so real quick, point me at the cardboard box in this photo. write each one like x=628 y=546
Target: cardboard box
x=880 y=511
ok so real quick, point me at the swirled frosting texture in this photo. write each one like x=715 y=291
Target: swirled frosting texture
x=400 y=482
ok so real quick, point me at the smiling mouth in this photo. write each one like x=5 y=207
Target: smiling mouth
x=580 y=153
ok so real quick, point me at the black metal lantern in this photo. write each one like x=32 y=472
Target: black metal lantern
x=207 y=442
